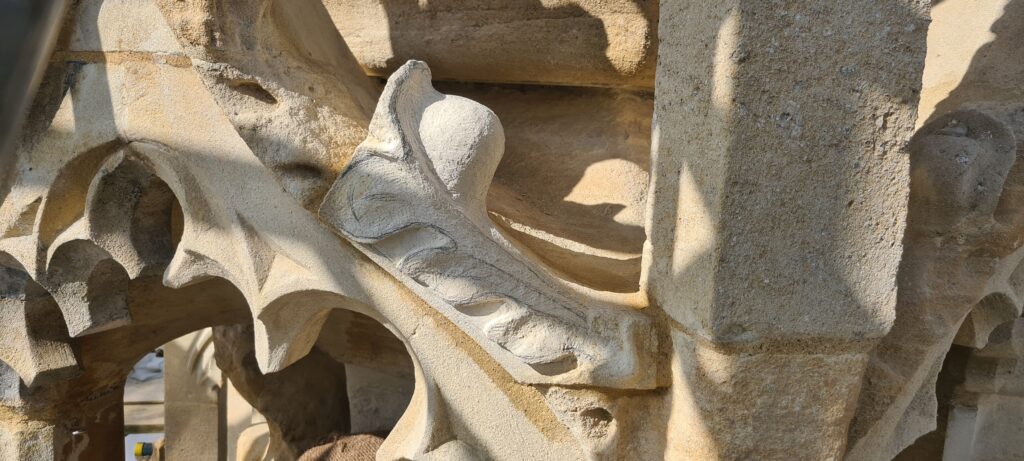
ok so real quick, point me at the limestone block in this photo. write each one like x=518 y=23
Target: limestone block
x=998 y=429
x=776 y=213
x=28 y=442
x=563 y=42
x=285 y=79
x=778 y=179
x=376 y=399
x=359 y=340
x=119 y=26
x=247 y=434
x=960 y=433
x=783 y=404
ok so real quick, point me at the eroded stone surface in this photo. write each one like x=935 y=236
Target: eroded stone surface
x=562 y=42
x=776 y=212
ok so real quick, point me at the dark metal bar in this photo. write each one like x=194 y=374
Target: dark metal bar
x=28 y=31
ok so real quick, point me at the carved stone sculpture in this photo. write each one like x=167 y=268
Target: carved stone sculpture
x=413 y=198
x=526 y=254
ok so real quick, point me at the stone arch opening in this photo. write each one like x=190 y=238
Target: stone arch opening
x=969 y=387
x=348 y=393
x=357 y=377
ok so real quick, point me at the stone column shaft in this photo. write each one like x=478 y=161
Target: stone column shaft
x=777 y=208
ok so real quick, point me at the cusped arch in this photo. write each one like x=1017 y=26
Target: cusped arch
x=36 y=345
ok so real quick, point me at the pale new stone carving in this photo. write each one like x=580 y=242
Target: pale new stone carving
x=413 y=197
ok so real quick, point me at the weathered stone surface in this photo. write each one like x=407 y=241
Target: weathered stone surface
x=778 y=167
x=959 y=272
x=285 y=79
x=776 y=213
x=37 y=343
x=349 y=448
x=301 y=404
x=201 y=209
x=480 y=271
x=562 y=42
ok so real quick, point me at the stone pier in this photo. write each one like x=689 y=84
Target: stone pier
x=779 y=190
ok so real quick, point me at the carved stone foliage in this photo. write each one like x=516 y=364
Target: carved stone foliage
x=413 y=198
x=130 y=199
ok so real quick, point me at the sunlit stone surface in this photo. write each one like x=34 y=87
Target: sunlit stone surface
x=521 y=230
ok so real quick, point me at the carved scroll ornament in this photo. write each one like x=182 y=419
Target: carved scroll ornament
x=413 y=199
